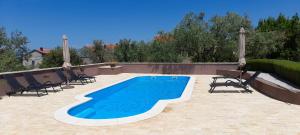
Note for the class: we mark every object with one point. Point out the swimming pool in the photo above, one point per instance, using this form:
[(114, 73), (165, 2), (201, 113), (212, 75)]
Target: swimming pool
[(131, 100)]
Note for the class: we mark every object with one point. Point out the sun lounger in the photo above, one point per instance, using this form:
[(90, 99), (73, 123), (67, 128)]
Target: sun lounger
[(17, 87), (35, 84), (14, 84), (84, 76), (71, 78), (239, 83)]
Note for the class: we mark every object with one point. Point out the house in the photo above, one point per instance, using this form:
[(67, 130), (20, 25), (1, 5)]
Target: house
[(35, 57)]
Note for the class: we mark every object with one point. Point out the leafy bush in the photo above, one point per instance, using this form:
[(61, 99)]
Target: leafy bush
[(288, 70), (9, 62)]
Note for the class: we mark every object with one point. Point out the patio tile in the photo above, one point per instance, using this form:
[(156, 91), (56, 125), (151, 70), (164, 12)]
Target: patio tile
[(205, 113)]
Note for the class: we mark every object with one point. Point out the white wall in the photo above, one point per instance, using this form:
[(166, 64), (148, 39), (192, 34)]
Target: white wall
[(33, 56)]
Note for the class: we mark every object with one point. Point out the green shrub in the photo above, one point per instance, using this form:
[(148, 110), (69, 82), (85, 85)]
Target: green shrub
[(288, 70)]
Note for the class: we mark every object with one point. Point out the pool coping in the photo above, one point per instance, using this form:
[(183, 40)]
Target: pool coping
[(63, 116)]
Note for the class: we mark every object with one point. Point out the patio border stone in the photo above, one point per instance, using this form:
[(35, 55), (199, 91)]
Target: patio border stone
[(268, 88)]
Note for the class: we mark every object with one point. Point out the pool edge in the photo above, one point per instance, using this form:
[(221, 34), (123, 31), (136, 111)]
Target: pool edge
[(63, 116)]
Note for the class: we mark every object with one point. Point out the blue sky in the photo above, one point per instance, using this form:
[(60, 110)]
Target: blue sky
[(45, 21)]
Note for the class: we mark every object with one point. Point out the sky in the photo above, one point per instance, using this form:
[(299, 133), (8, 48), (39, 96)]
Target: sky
[(45, 21)]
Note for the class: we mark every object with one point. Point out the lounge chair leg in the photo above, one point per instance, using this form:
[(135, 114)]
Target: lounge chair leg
[(37, 92), (212, 88), (247, 89), (46, 91), (54, 89), (82, 82), (61, 87)]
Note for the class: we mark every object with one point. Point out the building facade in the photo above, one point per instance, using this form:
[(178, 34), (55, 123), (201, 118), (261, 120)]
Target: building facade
[(35, 57)]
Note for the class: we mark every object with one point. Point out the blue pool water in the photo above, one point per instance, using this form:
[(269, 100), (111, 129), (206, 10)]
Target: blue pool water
[(131, 97)]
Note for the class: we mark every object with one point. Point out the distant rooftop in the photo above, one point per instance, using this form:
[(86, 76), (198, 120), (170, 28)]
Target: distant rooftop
[(43, 50), (107, 46), (110, 46)]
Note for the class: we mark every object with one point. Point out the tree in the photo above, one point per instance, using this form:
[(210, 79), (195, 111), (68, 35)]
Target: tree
[(96, 52), (55, 58), (290, 27), (164, 52), (142, 51), (225, 30), (216, 40), (122, 50), (4, 40), (18, 43), (186, 34), (12, 50), (265, 44), (130, 51), (9, 62), (193, 38)]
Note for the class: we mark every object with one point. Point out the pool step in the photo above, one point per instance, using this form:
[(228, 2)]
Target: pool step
[(86, 113)]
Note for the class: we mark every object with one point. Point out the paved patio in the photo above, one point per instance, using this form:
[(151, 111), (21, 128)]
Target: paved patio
[(226, 112)]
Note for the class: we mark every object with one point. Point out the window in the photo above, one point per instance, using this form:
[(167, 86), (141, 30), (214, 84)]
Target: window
[(33, 63)]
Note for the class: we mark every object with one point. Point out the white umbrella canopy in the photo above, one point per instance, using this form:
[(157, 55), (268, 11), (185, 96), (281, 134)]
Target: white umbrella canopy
[(242, 40), (66, 53)]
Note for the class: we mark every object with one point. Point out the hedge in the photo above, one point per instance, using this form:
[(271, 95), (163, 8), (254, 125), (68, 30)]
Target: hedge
[(285, 69)]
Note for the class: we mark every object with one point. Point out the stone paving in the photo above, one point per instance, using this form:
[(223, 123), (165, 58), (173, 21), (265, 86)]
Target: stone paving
[(228, 111)]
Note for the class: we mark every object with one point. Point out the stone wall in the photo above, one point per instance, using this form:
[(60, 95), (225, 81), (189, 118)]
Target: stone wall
[(168, 68), (49, 74)]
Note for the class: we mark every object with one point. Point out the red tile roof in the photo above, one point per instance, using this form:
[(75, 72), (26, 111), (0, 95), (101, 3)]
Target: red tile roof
[(43, 50), (107, 46)]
